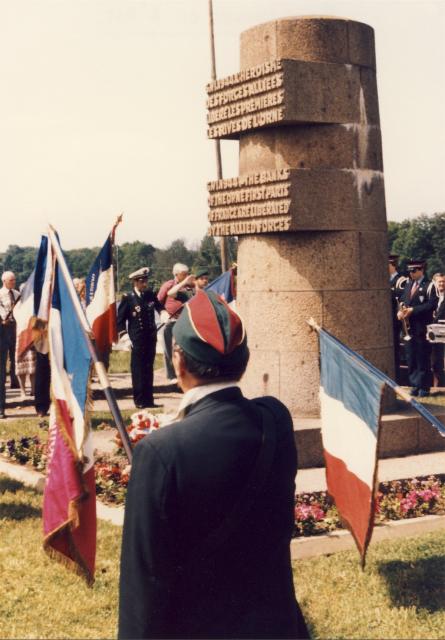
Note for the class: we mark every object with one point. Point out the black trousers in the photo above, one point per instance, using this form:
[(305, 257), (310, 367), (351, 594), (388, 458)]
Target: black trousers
[(168, 349), (42, 398), (437, 361), (4, 349), (418, 351), (142, 361), (11, 333)]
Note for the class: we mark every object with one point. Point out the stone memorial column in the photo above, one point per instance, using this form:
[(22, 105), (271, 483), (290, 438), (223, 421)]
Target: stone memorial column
[(308, 205)]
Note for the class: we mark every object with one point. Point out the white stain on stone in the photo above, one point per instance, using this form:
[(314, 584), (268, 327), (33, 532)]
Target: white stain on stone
[(364, 180)]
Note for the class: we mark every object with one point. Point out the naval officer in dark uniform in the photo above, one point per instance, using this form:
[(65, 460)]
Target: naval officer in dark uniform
[(197, 561), (136, 315), (420, 300)]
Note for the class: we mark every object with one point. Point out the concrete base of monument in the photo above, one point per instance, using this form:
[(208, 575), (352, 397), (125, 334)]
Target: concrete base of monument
[(403, 433)]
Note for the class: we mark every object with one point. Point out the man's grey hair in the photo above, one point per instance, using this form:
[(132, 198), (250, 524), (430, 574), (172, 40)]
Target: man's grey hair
[(7, 274), (179, 268)]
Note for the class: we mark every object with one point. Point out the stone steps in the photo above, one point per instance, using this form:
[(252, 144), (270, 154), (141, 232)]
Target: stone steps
[(403, 433)]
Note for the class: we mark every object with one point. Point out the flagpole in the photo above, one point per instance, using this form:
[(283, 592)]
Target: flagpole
[(417, 406), (219, 172), (99, 366)]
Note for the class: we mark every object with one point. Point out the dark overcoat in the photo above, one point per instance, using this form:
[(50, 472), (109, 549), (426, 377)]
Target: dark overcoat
[(184, 483)]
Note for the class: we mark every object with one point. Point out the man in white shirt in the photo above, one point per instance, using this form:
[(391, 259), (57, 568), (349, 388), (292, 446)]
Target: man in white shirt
[(8, 298), (438, 350)]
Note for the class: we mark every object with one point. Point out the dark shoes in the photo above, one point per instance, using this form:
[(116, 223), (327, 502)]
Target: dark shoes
[(149, 405), (2, 415), (422, 393)]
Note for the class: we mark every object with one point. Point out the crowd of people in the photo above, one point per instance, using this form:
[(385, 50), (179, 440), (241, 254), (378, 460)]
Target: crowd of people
[(27, 366), (136, 317), (417, 302)]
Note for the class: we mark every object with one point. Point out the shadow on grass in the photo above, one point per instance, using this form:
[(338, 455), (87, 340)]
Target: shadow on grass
[(19, 510), (8, 484), (419, 584)]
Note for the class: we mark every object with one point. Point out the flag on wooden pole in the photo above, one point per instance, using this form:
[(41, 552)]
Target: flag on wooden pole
[(69, 505)]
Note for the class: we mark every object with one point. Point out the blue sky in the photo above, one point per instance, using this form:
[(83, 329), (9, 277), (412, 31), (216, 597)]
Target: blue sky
[(103, 110)]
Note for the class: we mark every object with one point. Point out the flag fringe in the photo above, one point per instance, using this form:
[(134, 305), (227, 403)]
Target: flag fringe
[(76, 563)]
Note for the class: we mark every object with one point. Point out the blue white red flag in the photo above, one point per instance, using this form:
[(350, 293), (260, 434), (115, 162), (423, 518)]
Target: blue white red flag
[(350, 397), (33, 306), (69, 506), (224, 285), (101, 298)]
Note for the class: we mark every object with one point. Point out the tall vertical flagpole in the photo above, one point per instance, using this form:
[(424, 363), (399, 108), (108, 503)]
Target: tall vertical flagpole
[(219, 173), (87, 332)]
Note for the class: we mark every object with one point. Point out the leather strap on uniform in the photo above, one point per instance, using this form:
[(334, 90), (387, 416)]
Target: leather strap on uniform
[(252, 488)]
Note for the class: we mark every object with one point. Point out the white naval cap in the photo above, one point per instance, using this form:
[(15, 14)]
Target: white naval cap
[(140, 274)]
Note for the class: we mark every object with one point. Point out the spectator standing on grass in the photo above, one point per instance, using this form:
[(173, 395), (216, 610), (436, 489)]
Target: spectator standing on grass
[(173, 294), (197, 560), (8, 298)]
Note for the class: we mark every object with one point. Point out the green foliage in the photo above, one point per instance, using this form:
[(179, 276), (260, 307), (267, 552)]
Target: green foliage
[(128, 257), (80, 261), (421, 237), (20, 260), (164, 259), (209, 256)]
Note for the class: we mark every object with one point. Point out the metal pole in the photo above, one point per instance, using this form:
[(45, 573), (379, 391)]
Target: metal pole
[(219, 172), (88, 334), (417, 406)]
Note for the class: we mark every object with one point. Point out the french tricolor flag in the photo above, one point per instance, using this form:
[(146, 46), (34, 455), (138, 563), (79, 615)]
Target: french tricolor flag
[(224, 286), (351, 398), (32, 307), (101, 298), (69, 504)]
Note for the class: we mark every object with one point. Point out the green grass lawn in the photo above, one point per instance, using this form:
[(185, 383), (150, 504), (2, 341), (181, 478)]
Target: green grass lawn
[(401, 594), (120, 362)]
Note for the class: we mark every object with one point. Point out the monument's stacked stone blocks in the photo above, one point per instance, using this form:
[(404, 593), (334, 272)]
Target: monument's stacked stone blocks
[(309, 203)]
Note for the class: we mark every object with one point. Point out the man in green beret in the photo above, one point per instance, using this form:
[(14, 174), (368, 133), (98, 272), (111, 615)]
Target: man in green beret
[(210, 506), (201, 278)]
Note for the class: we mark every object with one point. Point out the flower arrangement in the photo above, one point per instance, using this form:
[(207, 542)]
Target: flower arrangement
[(315, 513), (28, 449), (142, 423), (410, 498)]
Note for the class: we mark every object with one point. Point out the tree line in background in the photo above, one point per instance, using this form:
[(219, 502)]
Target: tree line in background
[(421, 237), (128, 257)]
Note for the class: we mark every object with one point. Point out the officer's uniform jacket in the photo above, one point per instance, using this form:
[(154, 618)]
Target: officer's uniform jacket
[(423, 302), (136, 314), (185, 480), (397, 284), (6, 314)]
